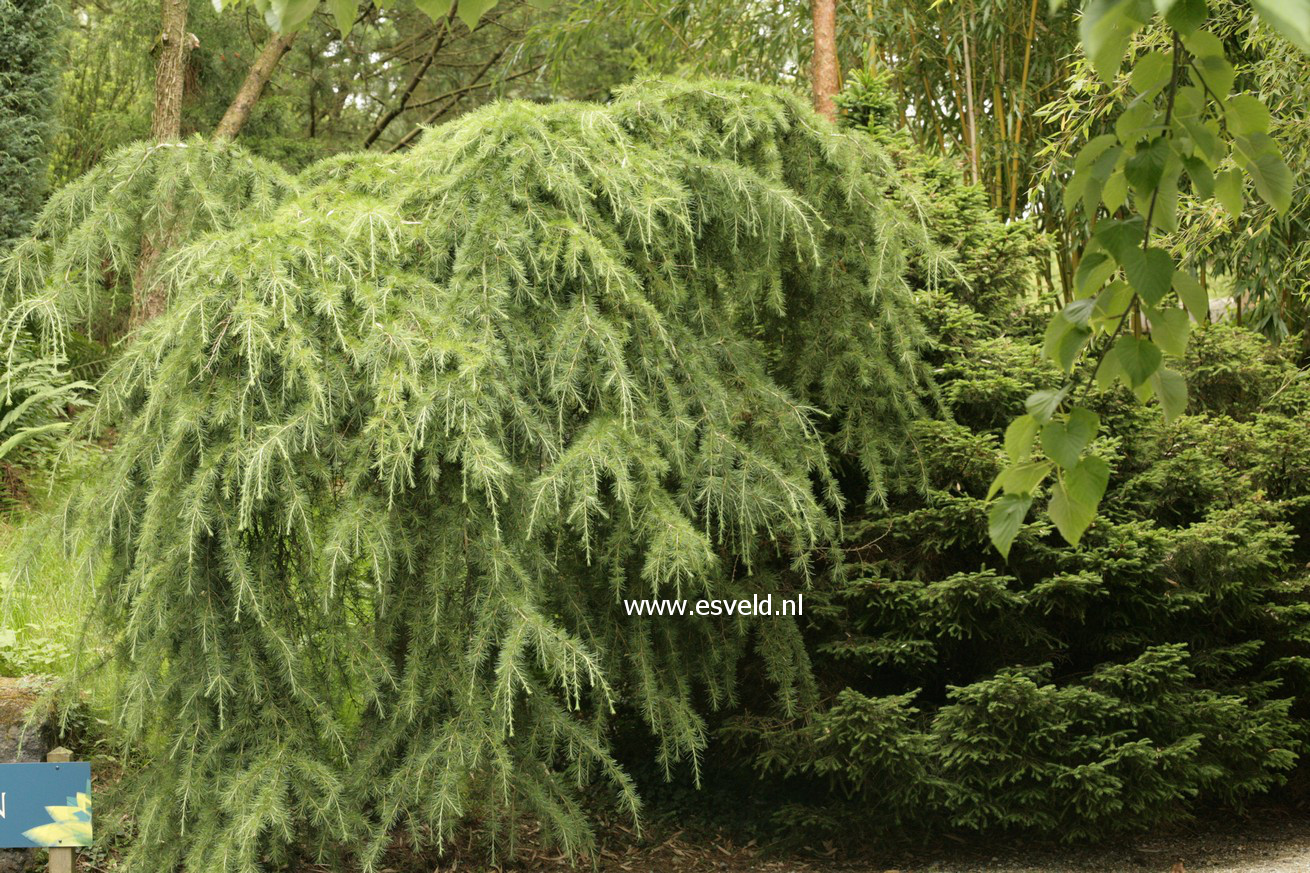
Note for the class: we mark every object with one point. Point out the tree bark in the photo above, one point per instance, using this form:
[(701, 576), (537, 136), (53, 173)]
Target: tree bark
[(167, 123), (238, 111), (149, 297), (825, 74)]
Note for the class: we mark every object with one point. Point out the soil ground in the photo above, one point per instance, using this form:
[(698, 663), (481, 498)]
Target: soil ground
[(1274, 843)]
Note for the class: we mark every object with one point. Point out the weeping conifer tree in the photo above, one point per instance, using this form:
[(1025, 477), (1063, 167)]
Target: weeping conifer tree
[(389, 463), (82, 269)]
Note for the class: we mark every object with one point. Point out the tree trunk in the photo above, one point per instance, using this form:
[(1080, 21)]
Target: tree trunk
[(825, 74), (238, 111), (972, 125), (167, 124), (148, 296)]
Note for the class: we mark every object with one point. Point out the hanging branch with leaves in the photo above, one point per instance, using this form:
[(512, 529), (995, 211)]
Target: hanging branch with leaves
[(1132, 302)]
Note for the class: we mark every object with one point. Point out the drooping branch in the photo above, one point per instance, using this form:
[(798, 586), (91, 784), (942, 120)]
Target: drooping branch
[(450, 98)]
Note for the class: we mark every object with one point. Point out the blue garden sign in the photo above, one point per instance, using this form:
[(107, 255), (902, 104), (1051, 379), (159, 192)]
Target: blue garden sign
[(45, 805)]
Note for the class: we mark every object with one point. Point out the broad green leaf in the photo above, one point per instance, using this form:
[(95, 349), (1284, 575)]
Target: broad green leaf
[(1019, 438), (1228, 191), (1004, 520), (1171, 389), (1272, 178), (1146, 166), (1136, 121), (344, 12), (1108, 371), (1096, 146), (288, 16), (1151, 72), (1201, 175), (1021, 478), (1205, 138), (1184, 16), (1151, 274), (1247, 115), (1165, 216), (1204, 44), (434, 9), (1137, 358), (1114, 193), (1106, 28), (1098, 175), (1085, 484), (1078, 312), (1216, 72), (1064, 340), (1169, 329), (1111, 304), (1193, 296), (1291, 18), (1041, 405), (471, 11), (1074, 500), (1064, 441), (1121, 238), (1093, 270)]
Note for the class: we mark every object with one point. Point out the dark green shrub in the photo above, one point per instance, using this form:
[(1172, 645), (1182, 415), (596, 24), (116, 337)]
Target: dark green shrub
[(29, 32), (1069, 692)]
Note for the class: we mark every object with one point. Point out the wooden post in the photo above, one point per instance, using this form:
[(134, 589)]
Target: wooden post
[(61, 859)]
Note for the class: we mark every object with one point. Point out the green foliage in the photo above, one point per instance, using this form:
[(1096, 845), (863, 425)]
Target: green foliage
[(1180, 126), (1071, 692), (36, 395), (389, 461), (79, 271), (29, 32), (27, 657), (993, 260), (288, 16)]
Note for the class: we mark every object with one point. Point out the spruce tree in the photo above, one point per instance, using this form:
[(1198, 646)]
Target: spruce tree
[(389, 462)]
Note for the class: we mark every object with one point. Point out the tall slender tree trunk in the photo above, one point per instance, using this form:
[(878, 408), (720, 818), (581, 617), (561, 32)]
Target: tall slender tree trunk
[(825, 74), (238, 111), (1019, 108), (971, 129), (169, 72)]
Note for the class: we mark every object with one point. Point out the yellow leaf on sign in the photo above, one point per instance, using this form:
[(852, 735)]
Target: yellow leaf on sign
[(70, 825)]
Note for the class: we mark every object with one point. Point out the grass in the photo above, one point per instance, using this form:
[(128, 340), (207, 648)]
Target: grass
[(45, 603)]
